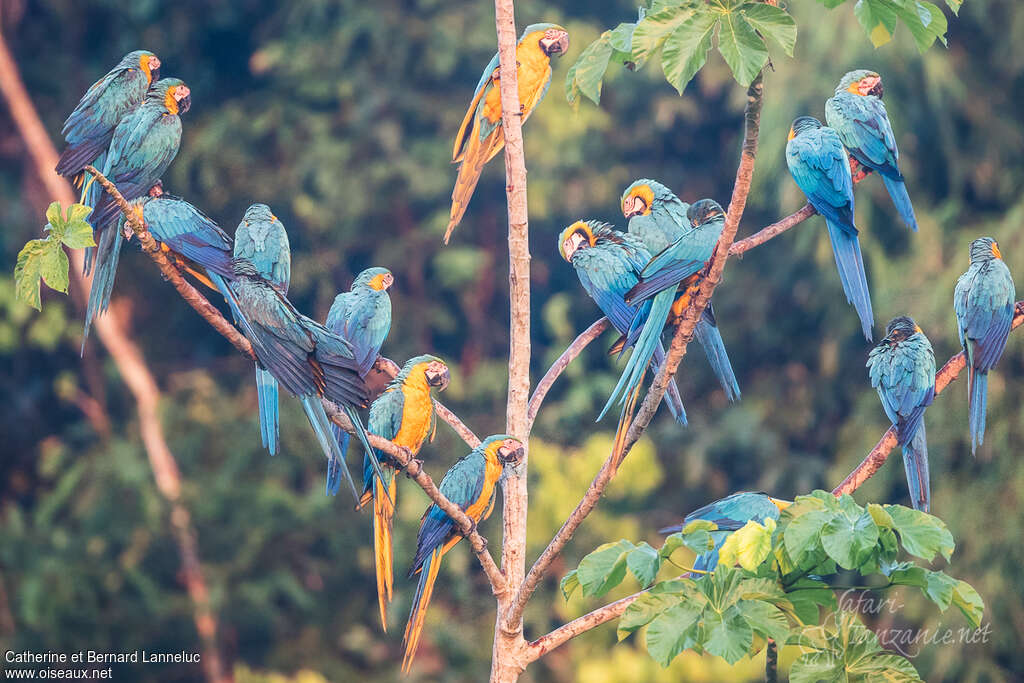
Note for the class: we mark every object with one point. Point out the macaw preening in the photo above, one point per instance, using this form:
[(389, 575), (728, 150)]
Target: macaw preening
[(143, 145), (261, 239), (480, 136), (730, 514), (984, 300), (404, 415), (310, 361), (902, 369), (89, 128), (362, 316), (608, 264), (817, 161), (858, 114), (471, 484), (671, 278)]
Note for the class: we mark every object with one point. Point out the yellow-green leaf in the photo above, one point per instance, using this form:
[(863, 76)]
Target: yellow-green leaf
[(748, 546)]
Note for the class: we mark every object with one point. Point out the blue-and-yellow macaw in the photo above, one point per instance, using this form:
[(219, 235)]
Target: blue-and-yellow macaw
[(608, 264), (471, 484), (306, 358), (858, 114), (480, 136), (818, 163), (984, 299), (404, 415), (362, 316), (142, 147), (261, 239), (902, 369), (654, 216), (730, 514), (89, 128)]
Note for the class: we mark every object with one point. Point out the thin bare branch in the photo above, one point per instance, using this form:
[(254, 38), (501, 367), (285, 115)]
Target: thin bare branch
[(880, 453), (773, 230), (596, 329)]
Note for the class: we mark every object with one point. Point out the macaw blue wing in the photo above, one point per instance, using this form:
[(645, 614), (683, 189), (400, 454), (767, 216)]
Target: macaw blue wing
[(189, 232), (818, 164), (385, 421), (463, 484)]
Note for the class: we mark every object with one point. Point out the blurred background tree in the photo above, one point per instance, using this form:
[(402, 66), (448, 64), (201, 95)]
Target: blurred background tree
[(340, 115)]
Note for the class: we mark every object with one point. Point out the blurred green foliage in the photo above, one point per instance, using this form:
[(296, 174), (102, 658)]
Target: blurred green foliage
[(340, 115)]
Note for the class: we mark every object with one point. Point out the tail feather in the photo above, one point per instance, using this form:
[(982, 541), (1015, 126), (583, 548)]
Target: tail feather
[(476, 155), (625, 419), (420, 602), (898, 191), (364, 439), (850, 262), (915, 462), (322, 428), (977, 400), (383, 521), (714, 348), (107, 254), (267, 396)]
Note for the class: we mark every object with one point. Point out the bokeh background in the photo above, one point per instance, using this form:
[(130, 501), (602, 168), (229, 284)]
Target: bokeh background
[(340, 115)]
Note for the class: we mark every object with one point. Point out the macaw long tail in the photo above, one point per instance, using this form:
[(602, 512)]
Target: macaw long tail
[(342, 437), (898, 191), (420, 602), (364, 439), (266, 395), (977, 400), (649, 339), (90, 195), (477, 154), (714, 348), (846, 249), (108, 252), (625, 419), (672, 397), (322, 428), (383, 521), (915, 462)]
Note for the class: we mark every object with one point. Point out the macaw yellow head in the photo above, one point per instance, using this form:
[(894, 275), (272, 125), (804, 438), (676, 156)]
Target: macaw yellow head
[(379, 279), (551, 38), (508, 449), (637, 199), (572, 238), (176, 96), (150, 65), (781, 504), (861, 82)]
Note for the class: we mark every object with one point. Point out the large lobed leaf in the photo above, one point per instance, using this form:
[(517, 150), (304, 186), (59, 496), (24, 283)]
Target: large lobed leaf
[(44, 260)]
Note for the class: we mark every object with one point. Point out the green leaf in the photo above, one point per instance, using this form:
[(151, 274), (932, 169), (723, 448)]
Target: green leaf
[(765, 618), (807, 597), (883, 520), (54, 267), (969, 602), (27, 272), (644, 563), (925, 21), (643, 610), (748, 546), (686, 50), (849, 540), (652, 31), (803, 533), (812, 667), (726, 634), (672, 632), (955, 5), (603, 569), (569, 583), (586, 74), (921, 534), (831, 4), (621, 37), (77, 233), (772, 22), (744, 51), (877, 19), (54, 219)]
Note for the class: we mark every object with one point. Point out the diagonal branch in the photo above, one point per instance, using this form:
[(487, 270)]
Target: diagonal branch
[(773, 230), (682, 337), (878, 455), (596, 329)]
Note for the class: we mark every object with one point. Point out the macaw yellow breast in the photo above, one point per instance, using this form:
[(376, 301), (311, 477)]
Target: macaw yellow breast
[(416, 411), (533, 74), (482, 505)]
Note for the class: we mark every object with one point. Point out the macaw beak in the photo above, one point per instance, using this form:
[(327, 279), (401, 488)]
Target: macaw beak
[(511, 455), (872, 85), (154, 69), (439, 379), (185, 104), (633, 206), (557, 45), (388, 281)]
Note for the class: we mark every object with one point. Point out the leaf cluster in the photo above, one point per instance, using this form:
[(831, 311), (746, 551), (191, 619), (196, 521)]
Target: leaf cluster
[(44, 258)]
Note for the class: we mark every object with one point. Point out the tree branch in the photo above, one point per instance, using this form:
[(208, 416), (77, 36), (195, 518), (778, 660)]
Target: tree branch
[(773, 230), (878, 455), (596, 329)]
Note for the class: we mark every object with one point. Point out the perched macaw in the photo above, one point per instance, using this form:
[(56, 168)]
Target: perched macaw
[(730, 514), (608, 264), (902, 369), (362, 315), (470, 483), (261, 239), (403, 414), (480, 136), (818, 163), (143, 145), (693, 237), (309, 360), (858, 114), (89, 128), (984, 300)]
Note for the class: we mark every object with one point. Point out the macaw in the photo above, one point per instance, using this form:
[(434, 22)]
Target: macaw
[(261, 239), (730, 514), (655, 217), (984, 300), (309, 360), (89, 128), (143, 145), (902, 369), (471, 484), (608, 264), (858, 115), (362, 316), (480, 136), (404, 415), (817, 161)]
